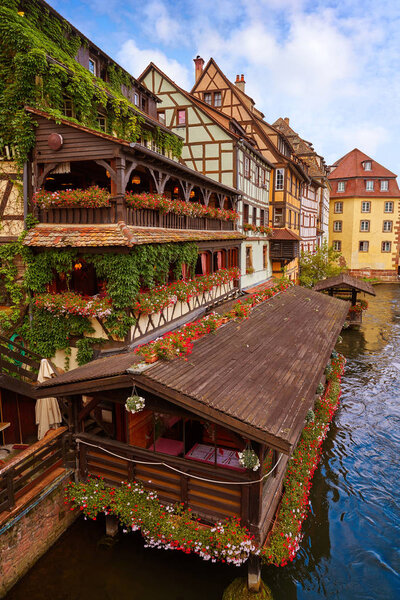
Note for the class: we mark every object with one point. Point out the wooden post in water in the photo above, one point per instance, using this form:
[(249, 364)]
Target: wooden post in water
[(254, 573)]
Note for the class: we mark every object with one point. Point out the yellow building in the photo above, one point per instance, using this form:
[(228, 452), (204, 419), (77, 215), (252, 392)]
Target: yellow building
[(364, 216)]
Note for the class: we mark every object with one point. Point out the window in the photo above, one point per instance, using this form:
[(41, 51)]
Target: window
[(249, 259), (386, 246), (278, 217), (369, 185), (265, 256), (207, 97), (246, 166), (338, 207), (365, 207), (245, 213), (364, 225), (136, 99), (262, 217), (68, 107), (258, 175), (387, 226), (337, 225), (254, 215), (143, 103), (92, 65), (384, 185), (388, 207), (279, 179), (101, 121), (341, 186), (217, 98), (181, 116), (367, 165), (161, 116), (363, 246), (337, 245)]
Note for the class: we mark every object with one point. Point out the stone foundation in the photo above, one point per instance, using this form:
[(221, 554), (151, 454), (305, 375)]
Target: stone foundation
[(386, 276), (27, 536)]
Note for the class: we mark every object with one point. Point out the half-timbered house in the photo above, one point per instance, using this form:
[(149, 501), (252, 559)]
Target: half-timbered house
[(290, 172), (217, 145)]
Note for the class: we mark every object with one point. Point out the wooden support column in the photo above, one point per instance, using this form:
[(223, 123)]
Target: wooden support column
[(120, 167), (186, 188), (160, 179), (254, 573), (111, 525), (353, 297)]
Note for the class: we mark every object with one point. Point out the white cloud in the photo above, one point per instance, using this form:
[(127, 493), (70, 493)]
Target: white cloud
[(135, 60)]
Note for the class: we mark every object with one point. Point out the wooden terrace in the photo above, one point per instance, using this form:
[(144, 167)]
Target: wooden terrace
[(347, 288), (251, 384)]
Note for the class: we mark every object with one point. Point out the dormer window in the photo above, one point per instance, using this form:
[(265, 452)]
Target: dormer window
[(367, 165), (341, 186), (384, 185), (369, 185), (92, 65)]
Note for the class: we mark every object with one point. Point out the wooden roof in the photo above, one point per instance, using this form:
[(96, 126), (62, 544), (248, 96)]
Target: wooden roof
[(257, 377), (347, 281)]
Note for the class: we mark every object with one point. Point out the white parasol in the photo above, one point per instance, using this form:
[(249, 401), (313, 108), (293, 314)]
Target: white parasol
[(47, 411)]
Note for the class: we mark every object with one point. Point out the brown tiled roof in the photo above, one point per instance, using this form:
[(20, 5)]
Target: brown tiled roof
[(120, 234), (345, 280), (234, 377), (283, 233), (260, 287)]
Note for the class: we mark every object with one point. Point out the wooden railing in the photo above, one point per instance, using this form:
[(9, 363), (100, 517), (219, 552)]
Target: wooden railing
[(211, 501), (32, 466), (143, 217), (18, 361)]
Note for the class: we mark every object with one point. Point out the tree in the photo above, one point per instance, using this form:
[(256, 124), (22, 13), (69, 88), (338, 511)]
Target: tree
[(325, 262)]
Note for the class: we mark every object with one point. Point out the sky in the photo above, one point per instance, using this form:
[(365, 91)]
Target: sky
[(332, 67)]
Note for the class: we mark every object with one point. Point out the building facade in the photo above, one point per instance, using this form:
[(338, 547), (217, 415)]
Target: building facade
[(364, 216), (290, 172), (216, 145)]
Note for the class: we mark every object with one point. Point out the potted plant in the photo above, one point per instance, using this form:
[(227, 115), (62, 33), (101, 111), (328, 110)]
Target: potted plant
[(134, 404), (249, 459)]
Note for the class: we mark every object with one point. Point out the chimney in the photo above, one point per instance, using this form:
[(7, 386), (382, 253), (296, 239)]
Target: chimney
[(240, 82), (286, 119), (198, 67)]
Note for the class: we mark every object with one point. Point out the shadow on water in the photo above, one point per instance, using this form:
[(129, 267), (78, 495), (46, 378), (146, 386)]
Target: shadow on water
[(350, 549)]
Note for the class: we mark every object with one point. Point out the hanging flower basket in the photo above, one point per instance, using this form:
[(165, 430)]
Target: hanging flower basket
[(249, 459), (134, 404)]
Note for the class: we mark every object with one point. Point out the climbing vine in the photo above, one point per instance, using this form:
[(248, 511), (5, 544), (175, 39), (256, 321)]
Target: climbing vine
[(38, 68), (124, 274)]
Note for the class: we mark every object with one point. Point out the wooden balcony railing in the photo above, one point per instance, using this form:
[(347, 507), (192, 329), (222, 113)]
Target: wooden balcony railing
[(23, 473), (75, 215), (18, 361), (210, 501)]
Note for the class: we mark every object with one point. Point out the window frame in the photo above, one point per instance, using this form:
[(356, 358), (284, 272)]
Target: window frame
[(92, 60), (339, 245), (338, 229), (383, 246), (336, 210), (369, 185), (386, 187), (387, 203), (246, 166), (361, 249), (367, 225), (341, 186), (161, 112), (219, 94), (366, 202), (178, 111), (280, 179), (278, 219), (384, 230), (71, 109), (369, 163), (204, 98), (101, 116)]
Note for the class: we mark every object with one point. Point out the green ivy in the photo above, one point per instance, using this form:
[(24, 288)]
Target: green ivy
[(85, 349), (29, 45)]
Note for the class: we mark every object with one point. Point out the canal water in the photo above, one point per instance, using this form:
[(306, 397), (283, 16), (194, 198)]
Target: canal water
[(350, 549)]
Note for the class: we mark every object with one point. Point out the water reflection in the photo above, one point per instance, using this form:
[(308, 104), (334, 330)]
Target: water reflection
[(350, 549)]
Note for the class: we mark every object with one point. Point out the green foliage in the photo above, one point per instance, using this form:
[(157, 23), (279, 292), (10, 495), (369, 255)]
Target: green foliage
[(324, 263), (29, 45), (11, 292), (41, 268), (46, 333), (85, 349)]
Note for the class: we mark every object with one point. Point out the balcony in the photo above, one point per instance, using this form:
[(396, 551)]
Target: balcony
[(284, 249), (115, 209)]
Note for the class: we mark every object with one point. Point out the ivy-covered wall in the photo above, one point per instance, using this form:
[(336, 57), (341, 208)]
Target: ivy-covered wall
[(30, 43), (124, 274)]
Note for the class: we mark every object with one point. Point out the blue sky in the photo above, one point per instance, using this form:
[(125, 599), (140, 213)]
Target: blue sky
[(331, 67)]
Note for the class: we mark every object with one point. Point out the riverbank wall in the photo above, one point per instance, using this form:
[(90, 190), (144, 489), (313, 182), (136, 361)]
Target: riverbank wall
[(26, 536)]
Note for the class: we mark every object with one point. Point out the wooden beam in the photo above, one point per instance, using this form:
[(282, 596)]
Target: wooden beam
[(88, 408)]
